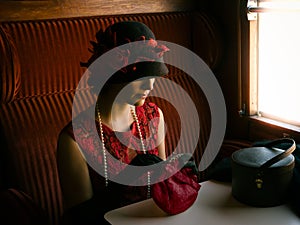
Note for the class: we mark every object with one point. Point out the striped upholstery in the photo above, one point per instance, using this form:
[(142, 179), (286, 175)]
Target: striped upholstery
[(39, 74), (10, 72)]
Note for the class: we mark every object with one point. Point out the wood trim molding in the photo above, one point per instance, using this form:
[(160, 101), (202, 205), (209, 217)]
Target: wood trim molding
[(266, 129), (11, 10)]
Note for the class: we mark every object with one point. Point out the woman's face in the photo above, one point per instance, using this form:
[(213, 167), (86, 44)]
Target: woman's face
[(136, 92)]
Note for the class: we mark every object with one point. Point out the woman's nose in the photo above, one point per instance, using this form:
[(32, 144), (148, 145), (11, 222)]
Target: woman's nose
[(148, 84)]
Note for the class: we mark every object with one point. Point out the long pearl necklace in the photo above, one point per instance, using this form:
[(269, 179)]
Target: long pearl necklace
[(135, 118)]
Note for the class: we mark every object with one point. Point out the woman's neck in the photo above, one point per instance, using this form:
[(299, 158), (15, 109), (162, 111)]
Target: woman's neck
[(117, 116)]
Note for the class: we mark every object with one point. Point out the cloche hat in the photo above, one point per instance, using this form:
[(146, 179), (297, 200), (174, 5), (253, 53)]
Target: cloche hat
[(147, 53)]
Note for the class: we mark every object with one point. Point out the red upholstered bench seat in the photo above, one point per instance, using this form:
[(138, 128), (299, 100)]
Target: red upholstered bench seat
[(39, 73)]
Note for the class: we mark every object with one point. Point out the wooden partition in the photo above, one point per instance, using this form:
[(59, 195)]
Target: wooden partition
[(45, 9)]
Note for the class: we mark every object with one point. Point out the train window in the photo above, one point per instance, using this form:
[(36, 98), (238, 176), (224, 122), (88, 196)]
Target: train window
[(275, 60)]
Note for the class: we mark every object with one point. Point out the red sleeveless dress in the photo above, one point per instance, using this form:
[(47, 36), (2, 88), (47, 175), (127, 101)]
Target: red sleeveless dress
[(116, 144)]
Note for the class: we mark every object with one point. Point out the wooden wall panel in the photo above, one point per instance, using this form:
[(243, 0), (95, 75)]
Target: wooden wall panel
[(43, 9)]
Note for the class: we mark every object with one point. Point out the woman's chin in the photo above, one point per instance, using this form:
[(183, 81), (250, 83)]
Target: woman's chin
[(140, 102)]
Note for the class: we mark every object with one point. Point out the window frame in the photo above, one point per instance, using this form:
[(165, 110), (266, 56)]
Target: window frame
[(258, 127)]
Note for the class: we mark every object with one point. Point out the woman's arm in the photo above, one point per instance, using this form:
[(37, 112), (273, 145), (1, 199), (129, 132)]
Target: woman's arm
[(161, 136), (73, 172), (81, 206)]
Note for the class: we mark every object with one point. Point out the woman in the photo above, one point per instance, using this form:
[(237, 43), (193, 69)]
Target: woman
[(126, 125)]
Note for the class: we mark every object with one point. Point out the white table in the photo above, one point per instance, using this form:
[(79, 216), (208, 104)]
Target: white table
[(214, 206)]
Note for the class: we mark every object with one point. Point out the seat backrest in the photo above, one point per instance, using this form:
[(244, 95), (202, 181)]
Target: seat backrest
[(39, 73)]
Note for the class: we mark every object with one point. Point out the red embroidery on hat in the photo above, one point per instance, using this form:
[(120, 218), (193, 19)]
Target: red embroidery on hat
[(147, 50)]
